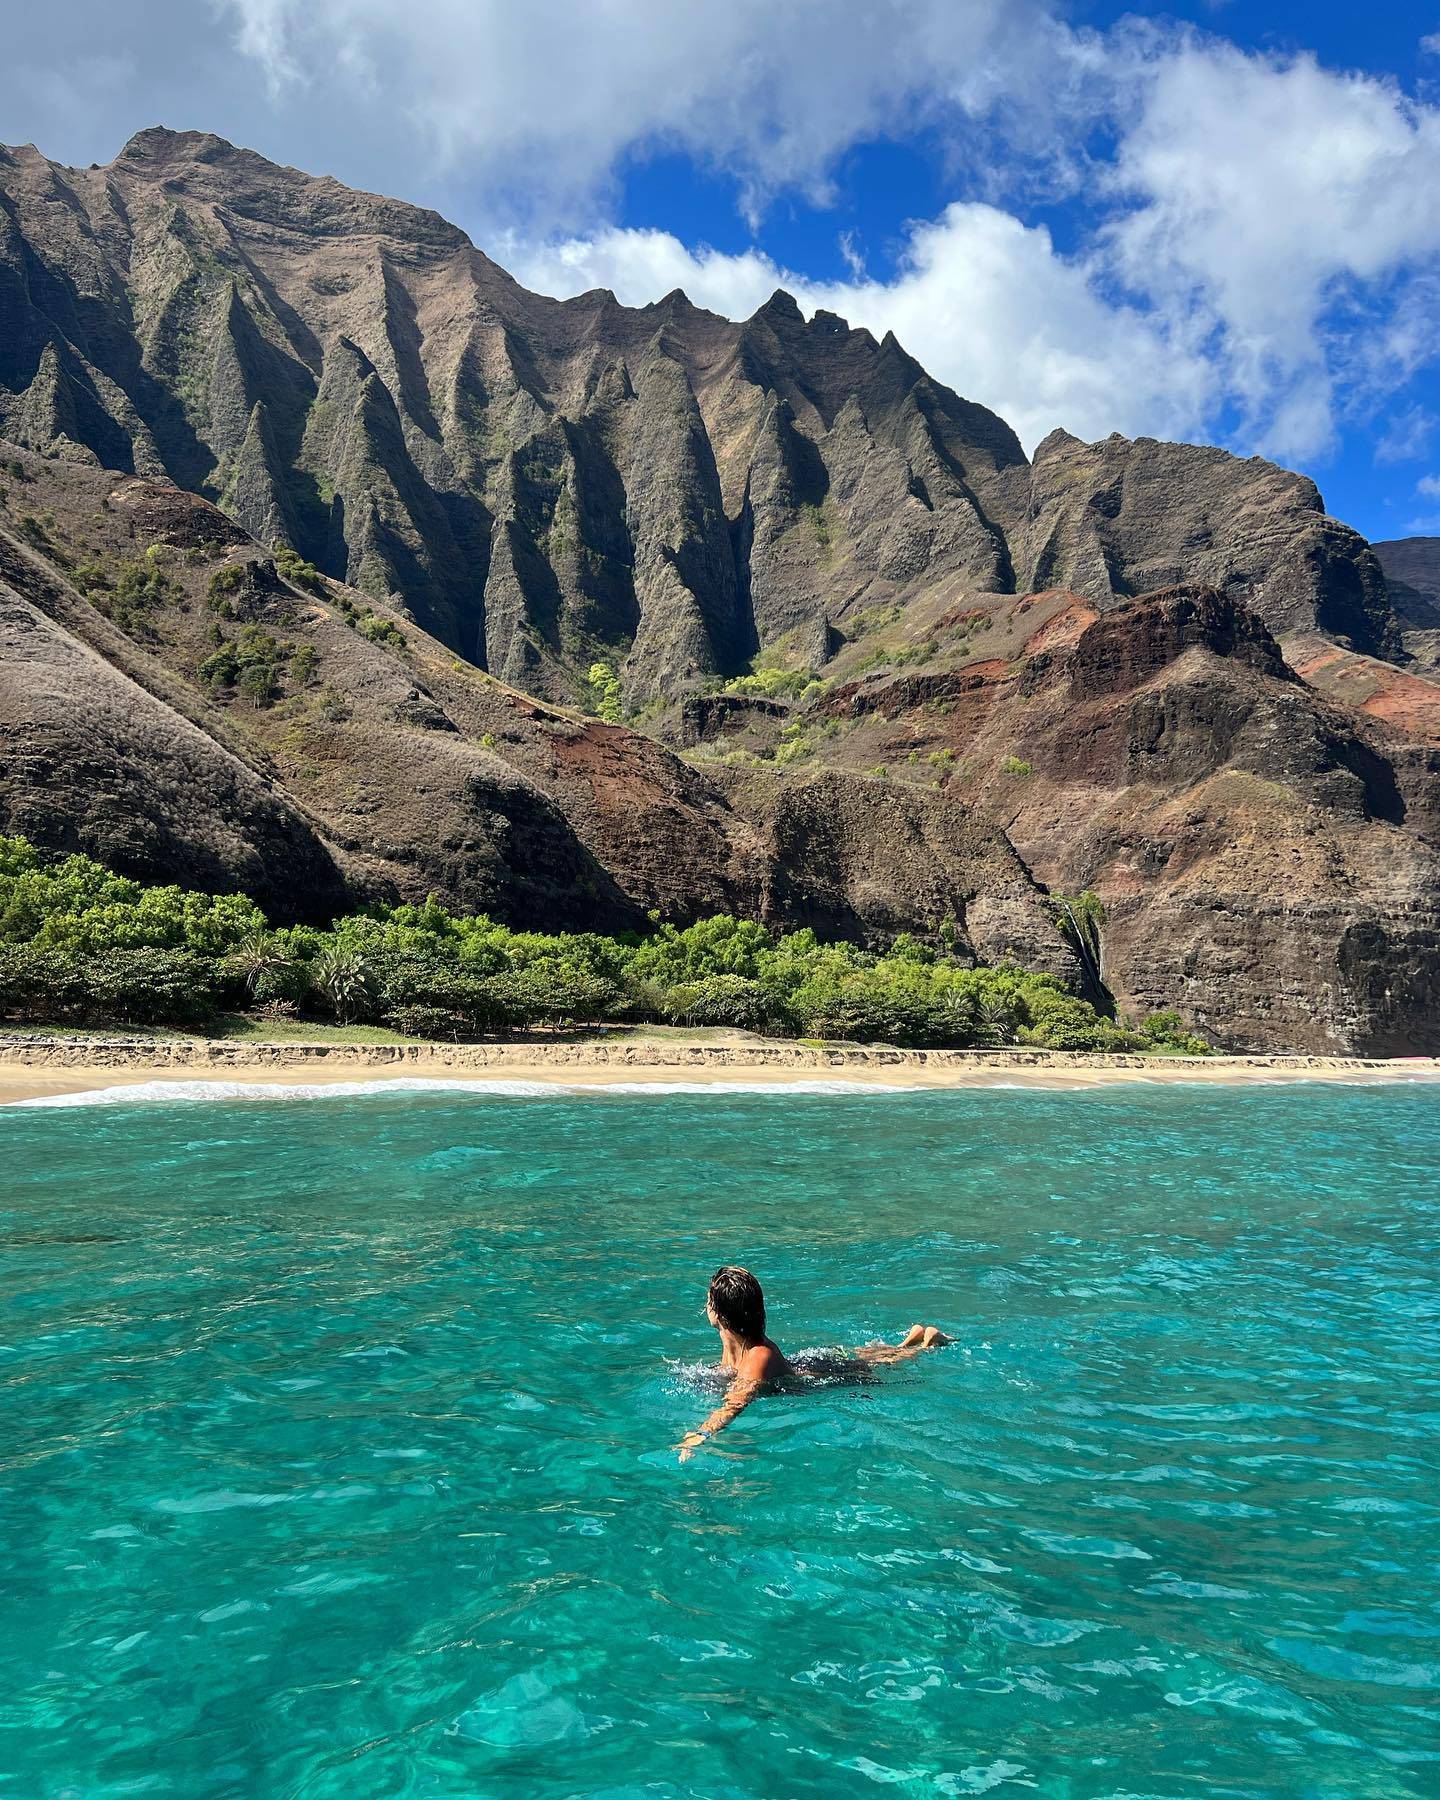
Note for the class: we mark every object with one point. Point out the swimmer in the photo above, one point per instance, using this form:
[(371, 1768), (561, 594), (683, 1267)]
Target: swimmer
[(736, 1308)]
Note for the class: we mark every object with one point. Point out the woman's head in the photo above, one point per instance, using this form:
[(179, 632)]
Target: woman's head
[(737, 1304)]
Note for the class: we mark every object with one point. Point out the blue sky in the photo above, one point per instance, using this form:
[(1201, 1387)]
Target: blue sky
[(1218, 221)]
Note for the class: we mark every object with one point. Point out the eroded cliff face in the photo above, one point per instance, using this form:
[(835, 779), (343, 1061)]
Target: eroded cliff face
[(371, 761), (1128, 516), (1266, 845), (1412, 579), (542, 485)]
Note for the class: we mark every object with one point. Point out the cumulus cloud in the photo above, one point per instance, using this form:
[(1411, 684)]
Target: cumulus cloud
[(1429, 486), (540, 103), (1278, 202), (986, 303)]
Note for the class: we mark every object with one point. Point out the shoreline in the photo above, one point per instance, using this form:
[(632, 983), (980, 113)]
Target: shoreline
[(49, 1068)]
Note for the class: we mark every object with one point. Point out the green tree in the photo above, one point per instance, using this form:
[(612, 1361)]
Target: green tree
[(554, 992), (295, 569), (724, 1000), (258, 685), (605, 692)]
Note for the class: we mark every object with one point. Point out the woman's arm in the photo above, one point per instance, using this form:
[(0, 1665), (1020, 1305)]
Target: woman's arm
[(750, 1378), (741, 1391)]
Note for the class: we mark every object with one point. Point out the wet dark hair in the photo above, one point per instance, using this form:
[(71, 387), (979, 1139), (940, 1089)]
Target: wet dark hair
[(737, 1302)]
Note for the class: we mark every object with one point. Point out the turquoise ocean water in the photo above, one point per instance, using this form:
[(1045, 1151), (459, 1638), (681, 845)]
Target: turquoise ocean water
[(335, 1447)]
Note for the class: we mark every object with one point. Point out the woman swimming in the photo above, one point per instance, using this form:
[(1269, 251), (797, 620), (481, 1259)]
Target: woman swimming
[(736, 1308)]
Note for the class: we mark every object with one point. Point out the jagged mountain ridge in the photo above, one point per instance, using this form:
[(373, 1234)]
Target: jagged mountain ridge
[(377, 765), (543, 484)]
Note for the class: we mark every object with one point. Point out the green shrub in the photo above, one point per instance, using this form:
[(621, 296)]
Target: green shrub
[(717, 946), (221, 667), (411, 981), (257, 683), (427, 1022), (1167, 1031), (141, 587), (42, 986), (222, 585), (78, 906), (555, 992), (80, 941), (795, 743), (250, 663), (340, 979), (772, 684), (154, 987), (90, 578), (381, 631), (295, 569), (1015, 765), (1060, 1021), (262, 965)]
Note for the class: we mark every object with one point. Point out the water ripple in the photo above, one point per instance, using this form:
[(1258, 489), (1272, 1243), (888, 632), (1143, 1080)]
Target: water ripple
[(335, 1448)]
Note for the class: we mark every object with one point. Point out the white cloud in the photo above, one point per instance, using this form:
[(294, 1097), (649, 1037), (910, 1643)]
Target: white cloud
[(1431, 44), (1279, 202), (1269, 248), (1407, 437), (1263, 223), (1429, 486), (640, 266), (541, 102)]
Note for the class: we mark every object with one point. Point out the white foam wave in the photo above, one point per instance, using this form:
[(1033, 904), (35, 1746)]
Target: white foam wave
[(779, 1086), (495, 1086), (282, 1090)]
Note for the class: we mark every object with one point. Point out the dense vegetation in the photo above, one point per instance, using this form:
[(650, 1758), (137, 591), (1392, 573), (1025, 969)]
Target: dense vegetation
[(83, 945)]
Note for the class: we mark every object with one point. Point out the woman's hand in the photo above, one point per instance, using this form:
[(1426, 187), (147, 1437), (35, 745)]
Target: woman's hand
[(690, 1443)]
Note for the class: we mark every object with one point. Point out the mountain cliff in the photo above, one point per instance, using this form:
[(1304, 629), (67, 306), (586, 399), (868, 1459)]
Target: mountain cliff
[(545, 486), (1412, 577), (183, 705)]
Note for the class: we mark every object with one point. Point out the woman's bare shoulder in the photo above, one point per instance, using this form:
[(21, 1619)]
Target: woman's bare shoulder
[(762, 1362)]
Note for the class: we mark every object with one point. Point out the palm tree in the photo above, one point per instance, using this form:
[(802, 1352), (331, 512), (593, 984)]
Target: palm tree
[(257, 958), (341, 976), (997, 1015)]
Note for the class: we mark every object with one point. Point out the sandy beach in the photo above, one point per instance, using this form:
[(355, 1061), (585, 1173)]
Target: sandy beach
[(43, 1068)]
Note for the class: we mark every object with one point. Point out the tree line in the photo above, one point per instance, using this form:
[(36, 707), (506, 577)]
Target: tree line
[(80, 944)]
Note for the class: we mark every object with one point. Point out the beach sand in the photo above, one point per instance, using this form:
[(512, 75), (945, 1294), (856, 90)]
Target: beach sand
[(43, 1068)]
